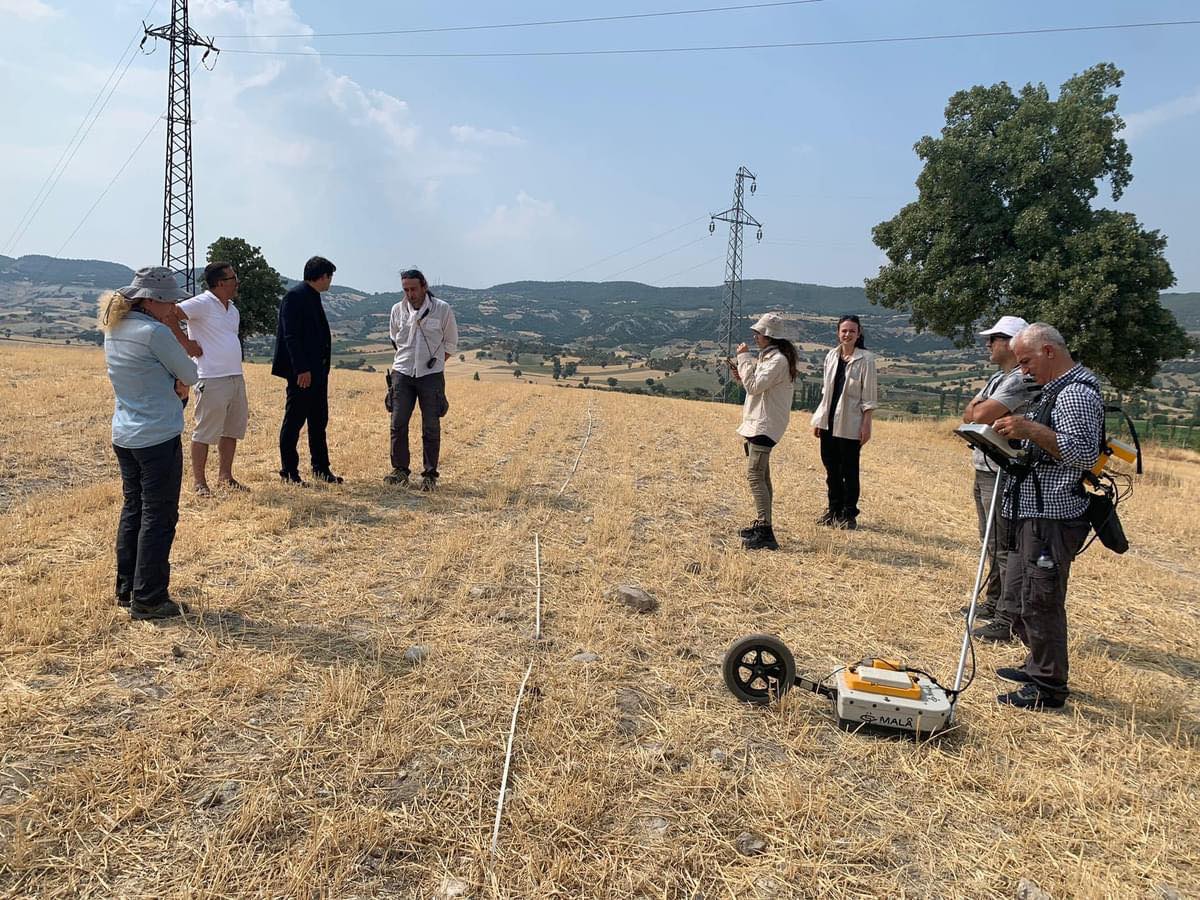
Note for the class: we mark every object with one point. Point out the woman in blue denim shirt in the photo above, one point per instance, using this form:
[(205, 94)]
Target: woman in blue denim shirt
[(150, 373)]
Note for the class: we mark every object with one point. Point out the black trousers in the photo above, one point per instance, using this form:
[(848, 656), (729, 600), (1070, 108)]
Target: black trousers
[(150, 481), (1042, 622), (407, 393), (305, 406), (840, 457)]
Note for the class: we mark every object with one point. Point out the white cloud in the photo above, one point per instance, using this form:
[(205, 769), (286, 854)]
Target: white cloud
[(517, 223), (1139, 123), (30, 10), (374, 107), (486, 137)]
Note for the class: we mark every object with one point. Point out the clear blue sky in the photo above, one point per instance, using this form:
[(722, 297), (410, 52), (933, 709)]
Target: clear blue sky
[(484, 170)]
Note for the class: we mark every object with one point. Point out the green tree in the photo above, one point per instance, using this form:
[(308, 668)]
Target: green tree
[(1004, 223), (516, 373), (612, 382), (260, 288), (475, 377)]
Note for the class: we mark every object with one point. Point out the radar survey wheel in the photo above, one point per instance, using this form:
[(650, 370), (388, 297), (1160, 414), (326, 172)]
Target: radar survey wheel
[(759, 668)]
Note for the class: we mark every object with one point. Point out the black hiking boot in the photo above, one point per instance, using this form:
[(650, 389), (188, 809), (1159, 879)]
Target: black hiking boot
[(398, 476), (327, 476), (1030, 696), (168, 609), (828, 518), (290, 476), (763, 538), (984, 610), (997, 632), (1015, 674)]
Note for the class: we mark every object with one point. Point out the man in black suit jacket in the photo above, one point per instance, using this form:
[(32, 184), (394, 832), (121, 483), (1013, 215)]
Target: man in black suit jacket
[(302, 351)]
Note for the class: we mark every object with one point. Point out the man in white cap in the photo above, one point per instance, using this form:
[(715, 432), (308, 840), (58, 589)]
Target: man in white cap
[(1006, 393)]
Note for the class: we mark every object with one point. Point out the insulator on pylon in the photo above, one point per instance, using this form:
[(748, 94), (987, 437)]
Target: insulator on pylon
[(753, 186), (759, 235), (712, 226)]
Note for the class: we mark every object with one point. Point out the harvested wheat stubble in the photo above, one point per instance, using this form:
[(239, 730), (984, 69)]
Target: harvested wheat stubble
[(279, 743)]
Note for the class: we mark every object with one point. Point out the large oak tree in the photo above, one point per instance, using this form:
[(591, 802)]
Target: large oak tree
[(1004, 223)]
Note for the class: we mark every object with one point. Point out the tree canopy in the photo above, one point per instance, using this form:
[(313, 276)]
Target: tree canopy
[(260, 288), (1004, 224)]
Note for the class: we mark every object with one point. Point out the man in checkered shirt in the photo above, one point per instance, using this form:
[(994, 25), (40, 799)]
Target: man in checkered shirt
[(1048, 507)]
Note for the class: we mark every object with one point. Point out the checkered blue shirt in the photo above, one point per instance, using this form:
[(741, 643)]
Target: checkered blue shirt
[(1078, 421)]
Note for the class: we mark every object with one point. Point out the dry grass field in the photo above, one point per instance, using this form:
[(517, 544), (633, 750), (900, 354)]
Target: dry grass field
[(283, 742)]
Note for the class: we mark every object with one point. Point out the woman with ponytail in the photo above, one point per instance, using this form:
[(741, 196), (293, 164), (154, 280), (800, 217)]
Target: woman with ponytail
[(768, 377), (150, 373)]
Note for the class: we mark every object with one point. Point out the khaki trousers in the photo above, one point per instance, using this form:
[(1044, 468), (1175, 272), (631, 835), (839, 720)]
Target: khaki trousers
[(758, 473)]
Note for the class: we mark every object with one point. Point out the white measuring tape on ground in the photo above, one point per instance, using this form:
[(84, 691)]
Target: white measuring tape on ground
[(586, 437), (537, 636), (512, 733), (537, 607)]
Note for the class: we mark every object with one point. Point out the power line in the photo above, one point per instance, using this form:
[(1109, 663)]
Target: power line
[(849, 42), (22, 225), (634, 247), (690, 268), (108, 187), (647, 262), (579, 21), (69, 151)]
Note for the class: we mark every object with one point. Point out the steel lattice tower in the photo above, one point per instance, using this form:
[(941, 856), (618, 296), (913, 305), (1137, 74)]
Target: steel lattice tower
[(731, 313), (179, 227)]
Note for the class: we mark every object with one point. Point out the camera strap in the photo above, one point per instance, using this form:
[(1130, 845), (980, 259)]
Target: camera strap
[(434, 352)]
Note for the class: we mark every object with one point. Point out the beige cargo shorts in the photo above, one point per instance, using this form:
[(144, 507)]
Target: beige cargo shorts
[(221, 409)]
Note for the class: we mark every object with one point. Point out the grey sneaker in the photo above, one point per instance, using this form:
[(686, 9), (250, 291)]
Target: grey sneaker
[(398, 477), (428, 483)]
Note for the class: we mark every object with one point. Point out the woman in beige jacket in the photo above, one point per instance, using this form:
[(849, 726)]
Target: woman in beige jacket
[(843, 420), (768, 378)]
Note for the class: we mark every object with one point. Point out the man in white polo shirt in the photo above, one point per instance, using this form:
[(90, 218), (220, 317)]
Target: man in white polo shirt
[(221, 409)]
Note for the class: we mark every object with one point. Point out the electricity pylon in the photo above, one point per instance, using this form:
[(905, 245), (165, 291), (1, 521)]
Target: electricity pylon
[(730, 324), (179, 227)]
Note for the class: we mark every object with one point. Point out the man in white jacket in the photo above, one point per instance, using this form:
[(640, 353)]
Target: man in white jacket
[(425, 335)]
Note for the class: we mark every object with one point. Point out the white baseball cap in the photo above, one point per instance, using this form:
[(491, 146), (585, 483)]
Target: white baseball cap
[(1009, 326)]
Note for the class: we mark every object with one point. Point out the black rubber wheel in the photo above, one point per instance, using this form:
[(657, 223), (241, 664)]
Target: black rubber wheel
[(759, 668)]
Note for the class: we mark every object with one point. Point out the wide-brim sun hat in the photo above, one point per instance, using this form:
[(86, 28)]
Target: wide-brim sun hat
[(774, 325), (154, 283), (1009, 326)]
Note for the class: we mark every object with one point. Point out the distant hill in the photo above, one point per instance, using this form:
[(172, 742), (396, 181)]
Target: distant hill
[(1186, 308), (629, 313), (47, 294), (51, 270)]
